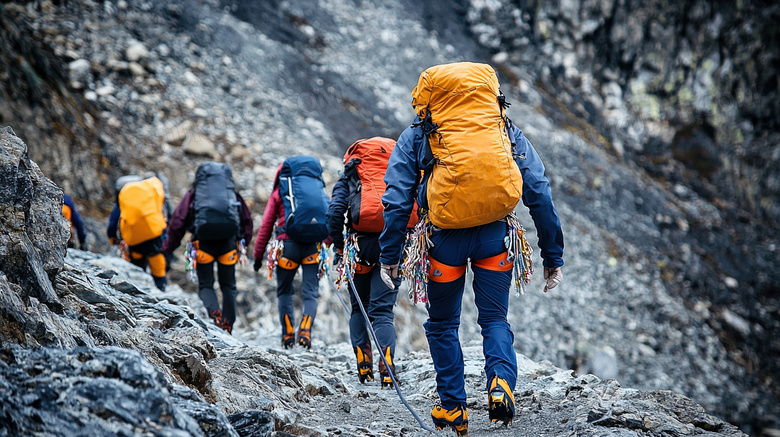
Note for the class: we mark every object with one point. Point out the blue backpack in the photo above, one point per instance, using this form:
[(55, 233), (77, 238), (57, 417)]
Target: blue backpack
[(305, 201)]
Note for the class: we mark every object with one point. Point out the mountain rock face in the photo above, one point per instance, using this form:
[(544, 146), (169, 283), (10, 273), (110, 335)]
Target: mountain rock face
[(637, 109), (109, 354)]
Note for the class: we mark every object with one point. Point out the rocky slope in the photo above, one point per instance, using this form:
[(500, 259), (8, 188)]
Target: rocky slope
[(106, 353), (667, 285)]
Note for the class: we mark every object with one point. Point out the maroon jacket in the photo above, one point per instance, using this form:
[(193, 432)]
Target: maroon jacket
[(273, 210), (183, 219)]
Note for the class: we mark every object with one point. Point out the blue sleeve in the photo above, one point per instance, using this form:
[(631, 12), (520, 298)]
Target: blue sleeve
[(401, 178), (336, 211), (75, 218), (537, 197), (113, 222)]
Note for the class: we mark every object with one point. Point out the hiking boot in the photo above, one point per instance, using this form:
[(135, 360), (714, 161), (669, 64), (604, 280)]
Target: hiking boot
[(304, 332), (456, 418), (227, 326), (216, 316), (221, 321), (501, 401), (288, 334), (364, 363), (384, 375)]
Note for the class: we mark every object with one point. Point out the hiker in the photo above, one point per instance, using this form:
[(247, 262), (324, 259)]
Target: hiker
[(298, 205), (76, 225), (139, 217), (358, 196), (476, 167), (219, 221)]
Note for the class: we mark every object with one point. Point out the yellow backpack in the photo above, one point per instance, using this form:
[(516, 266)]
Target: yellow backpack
[(474, 180), (140, 207)]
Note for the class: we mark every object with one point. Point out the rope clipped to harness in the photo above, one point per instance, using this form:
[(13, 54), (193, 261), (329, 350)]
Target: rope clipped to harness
[(191, 261), (274, 255), (242, 252), (346, 267), (416, 265), (519, 254), (324, 266)]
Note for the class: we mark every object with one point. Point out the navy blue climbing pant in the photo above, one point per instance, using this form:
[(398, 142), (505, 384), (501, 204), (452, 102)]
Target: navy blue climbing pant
[(451, 251), (377, 298), (294, 255)]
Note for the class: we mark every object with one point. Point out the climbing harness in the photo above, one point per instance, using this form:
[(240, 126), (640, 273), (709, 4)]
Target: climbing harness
[(324, 266), (122, 251), (348, 277), (346, 267), (242, 252), (416, 264), (274, 255), (519, 254), (191, 261)]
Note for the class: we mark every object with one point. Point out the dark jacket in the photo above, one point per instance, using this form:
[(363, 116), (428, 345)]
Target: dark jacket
[(408, 160), (339, 203), (183, 220), (75, 220)]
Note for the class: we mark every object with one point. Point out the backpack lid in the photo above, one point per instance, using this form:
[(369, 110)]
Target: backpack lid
[(124, 180), (438, 84), (212, 167)]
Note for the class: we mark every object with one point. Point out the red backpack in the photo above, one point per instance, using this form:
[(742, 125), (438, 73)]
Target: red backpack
[(365, 166)]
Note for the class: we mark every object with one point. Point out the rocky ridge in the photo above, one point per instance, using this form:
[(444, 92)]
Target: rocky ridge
[(109, 354), (250, 84)]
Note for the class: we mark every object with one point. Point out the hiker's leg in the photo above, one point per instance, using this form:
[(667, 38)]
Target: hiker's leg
[(445, 292), (310, 286), (358, 332), (492, 278), (226, 274), (285, 273), (380, 310), (157, 268)]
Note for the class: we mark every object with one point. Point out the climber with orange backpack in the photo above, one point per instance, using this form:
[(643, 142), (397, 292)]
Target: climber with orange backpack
[(476, 167), (139, 218), (76, 224), (296, 213), (356, 205), (221, 224)]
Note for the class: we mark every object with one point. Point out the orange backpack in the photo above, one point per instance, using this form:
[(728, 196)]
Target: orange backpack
[(367, 185), (474, 179), (140, 211)]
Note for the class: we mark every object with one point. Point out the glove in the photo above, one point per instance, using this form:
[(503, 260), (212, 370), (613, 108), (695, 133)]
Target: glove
[(553, 276), (258, 263), (113, 241), (336, 258), (388, 273)]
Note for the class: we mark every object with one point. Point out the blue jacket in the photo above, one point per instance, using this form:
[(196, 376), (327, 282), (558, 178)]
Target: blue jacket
[(404, 182)]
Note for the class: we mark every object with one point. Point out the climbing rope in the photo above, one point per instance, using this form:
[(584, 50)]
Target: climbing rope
[(416, 265), (191, 261), (519, 254), (274, 255)]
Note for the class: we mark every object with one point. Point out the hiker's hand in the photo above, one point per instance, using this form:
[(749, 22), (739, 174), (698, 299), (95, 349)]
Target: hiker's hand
[(258, 263), (553, 276), (113, 241), (389, 273)]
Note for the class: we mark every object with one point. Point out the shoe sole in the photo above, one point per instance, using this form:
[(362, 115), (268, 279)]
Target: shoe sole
[(387, 381), (499, 409), (462, 432)]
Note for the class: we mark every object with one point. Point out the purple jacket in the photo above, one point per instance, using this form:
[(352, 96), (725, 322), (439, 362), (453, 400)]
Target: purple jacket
[(183, 219)]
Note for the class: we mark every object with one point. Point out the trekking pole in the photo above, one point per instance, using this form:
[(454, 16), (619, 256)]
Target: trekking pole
[(381, 355)]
